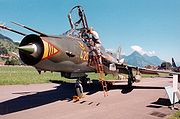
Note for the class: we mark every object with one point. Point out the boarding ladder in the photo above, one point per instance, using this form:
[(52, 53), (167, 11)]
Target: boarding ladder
[(100, 70)]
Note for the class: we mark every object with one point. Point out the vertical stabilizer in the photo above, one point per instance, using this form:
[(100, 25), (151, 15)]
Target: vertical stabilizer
[(173, 63)]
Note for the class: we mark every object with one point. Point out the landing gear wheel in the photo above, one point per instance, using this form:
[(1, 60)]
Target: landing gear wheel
[(78, 89)]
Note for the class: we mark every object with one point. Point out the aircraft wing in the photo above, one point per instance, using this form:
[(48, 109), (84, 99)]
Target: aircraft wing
[(123, 68), (151, 71), (160, 71)]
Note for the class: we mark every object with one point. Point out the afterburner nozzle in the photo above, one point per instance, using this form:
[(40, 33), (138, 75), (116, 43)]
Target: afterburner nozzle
[(30, 49)]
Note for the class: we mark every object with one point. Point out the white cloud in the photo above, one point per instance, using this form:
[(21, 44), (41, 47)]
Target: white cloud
[(138, 49), (142, 51)]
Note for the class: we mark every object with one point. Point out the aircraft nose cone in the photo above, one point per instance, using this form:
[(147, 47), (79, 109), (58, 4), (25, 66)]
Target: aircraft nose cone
[(30, 49)]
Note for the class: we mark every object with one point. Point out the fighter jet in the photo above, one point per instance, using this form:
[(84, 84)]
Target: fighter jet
[(69, 53)]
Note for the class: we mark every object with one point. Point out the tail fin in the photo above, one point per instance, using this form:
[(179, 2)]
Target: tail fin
[(119, 55), (173, 63)]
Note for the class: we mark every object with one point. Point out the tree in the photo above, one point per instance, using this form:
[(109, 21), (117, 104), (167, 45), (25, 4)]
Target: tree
[(12, 61), (166, 65), (3, 50)]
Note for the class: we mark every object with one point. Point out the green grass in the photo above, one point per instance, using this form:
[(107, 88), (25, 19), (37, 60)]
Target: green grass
[(154, 75), (149, 75), (11, 75), (93, 76), (176, 115)]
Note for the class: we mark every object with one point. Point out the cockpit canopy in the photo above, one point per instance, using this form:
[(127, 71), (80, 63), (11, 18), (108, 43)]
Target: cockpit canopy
[(78, 22), (77, 18)]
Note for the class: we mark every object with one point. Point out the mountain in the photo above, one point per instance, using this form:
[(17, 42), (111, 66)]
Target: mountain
[(7, 46), (178, 64), (136, 59), (154, 60), (7, 43), (5, 37)]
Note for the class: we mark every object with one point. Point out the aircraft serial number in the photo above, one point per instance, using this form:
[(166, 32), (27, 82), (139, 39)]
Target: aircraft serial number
[(84, 55)]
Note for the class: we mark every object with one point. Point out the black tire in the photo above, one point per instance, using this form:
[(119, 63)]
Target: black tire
[(79, 90)]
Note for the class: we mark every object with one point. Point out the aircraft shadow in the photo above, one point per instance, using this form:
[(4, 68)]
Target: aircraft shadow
[(126, 89), (161, 102), (34, 100), (89, 88), (65, 91)]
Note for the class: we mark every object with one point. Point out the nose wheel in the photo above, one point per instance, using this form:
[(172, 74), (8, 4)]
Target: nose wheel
[(78, 88)]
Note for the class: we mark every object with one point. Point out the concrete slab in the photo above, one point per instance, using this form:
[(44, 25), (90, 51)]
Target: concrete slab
[(145, 100)]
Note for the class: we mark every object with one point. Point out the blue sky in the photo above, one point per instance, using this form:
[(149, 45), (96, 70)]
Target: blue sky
[(149, 26)]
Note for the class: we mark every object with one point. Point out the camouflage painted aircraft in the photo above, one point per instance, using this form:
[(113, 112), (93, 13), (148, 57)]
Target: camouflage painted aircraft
[(68, 53)]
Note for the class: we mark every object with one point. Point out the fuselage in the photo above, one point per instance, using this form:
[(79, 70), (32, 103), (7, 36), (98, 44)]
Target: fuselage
[(64, 53), (72, 55)]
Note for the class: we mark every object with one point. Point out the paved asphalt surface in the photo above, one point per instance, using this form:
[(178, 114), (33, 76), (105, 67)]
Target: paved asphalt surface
[(146, 100)]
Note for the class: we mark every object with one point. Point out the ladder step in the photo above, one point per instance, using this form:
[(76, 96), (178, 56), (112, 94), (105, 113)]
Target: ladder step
[(100, 70)]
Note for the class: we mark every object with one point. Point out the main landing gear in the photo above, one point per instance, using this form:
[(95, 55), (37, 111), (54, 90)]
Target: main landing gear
[(131, 79), (78, 89), (80, 82)]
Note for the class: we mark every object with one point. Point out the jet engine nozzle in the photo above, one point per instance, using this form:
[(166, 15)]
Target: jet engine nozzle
[(31, 49)]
